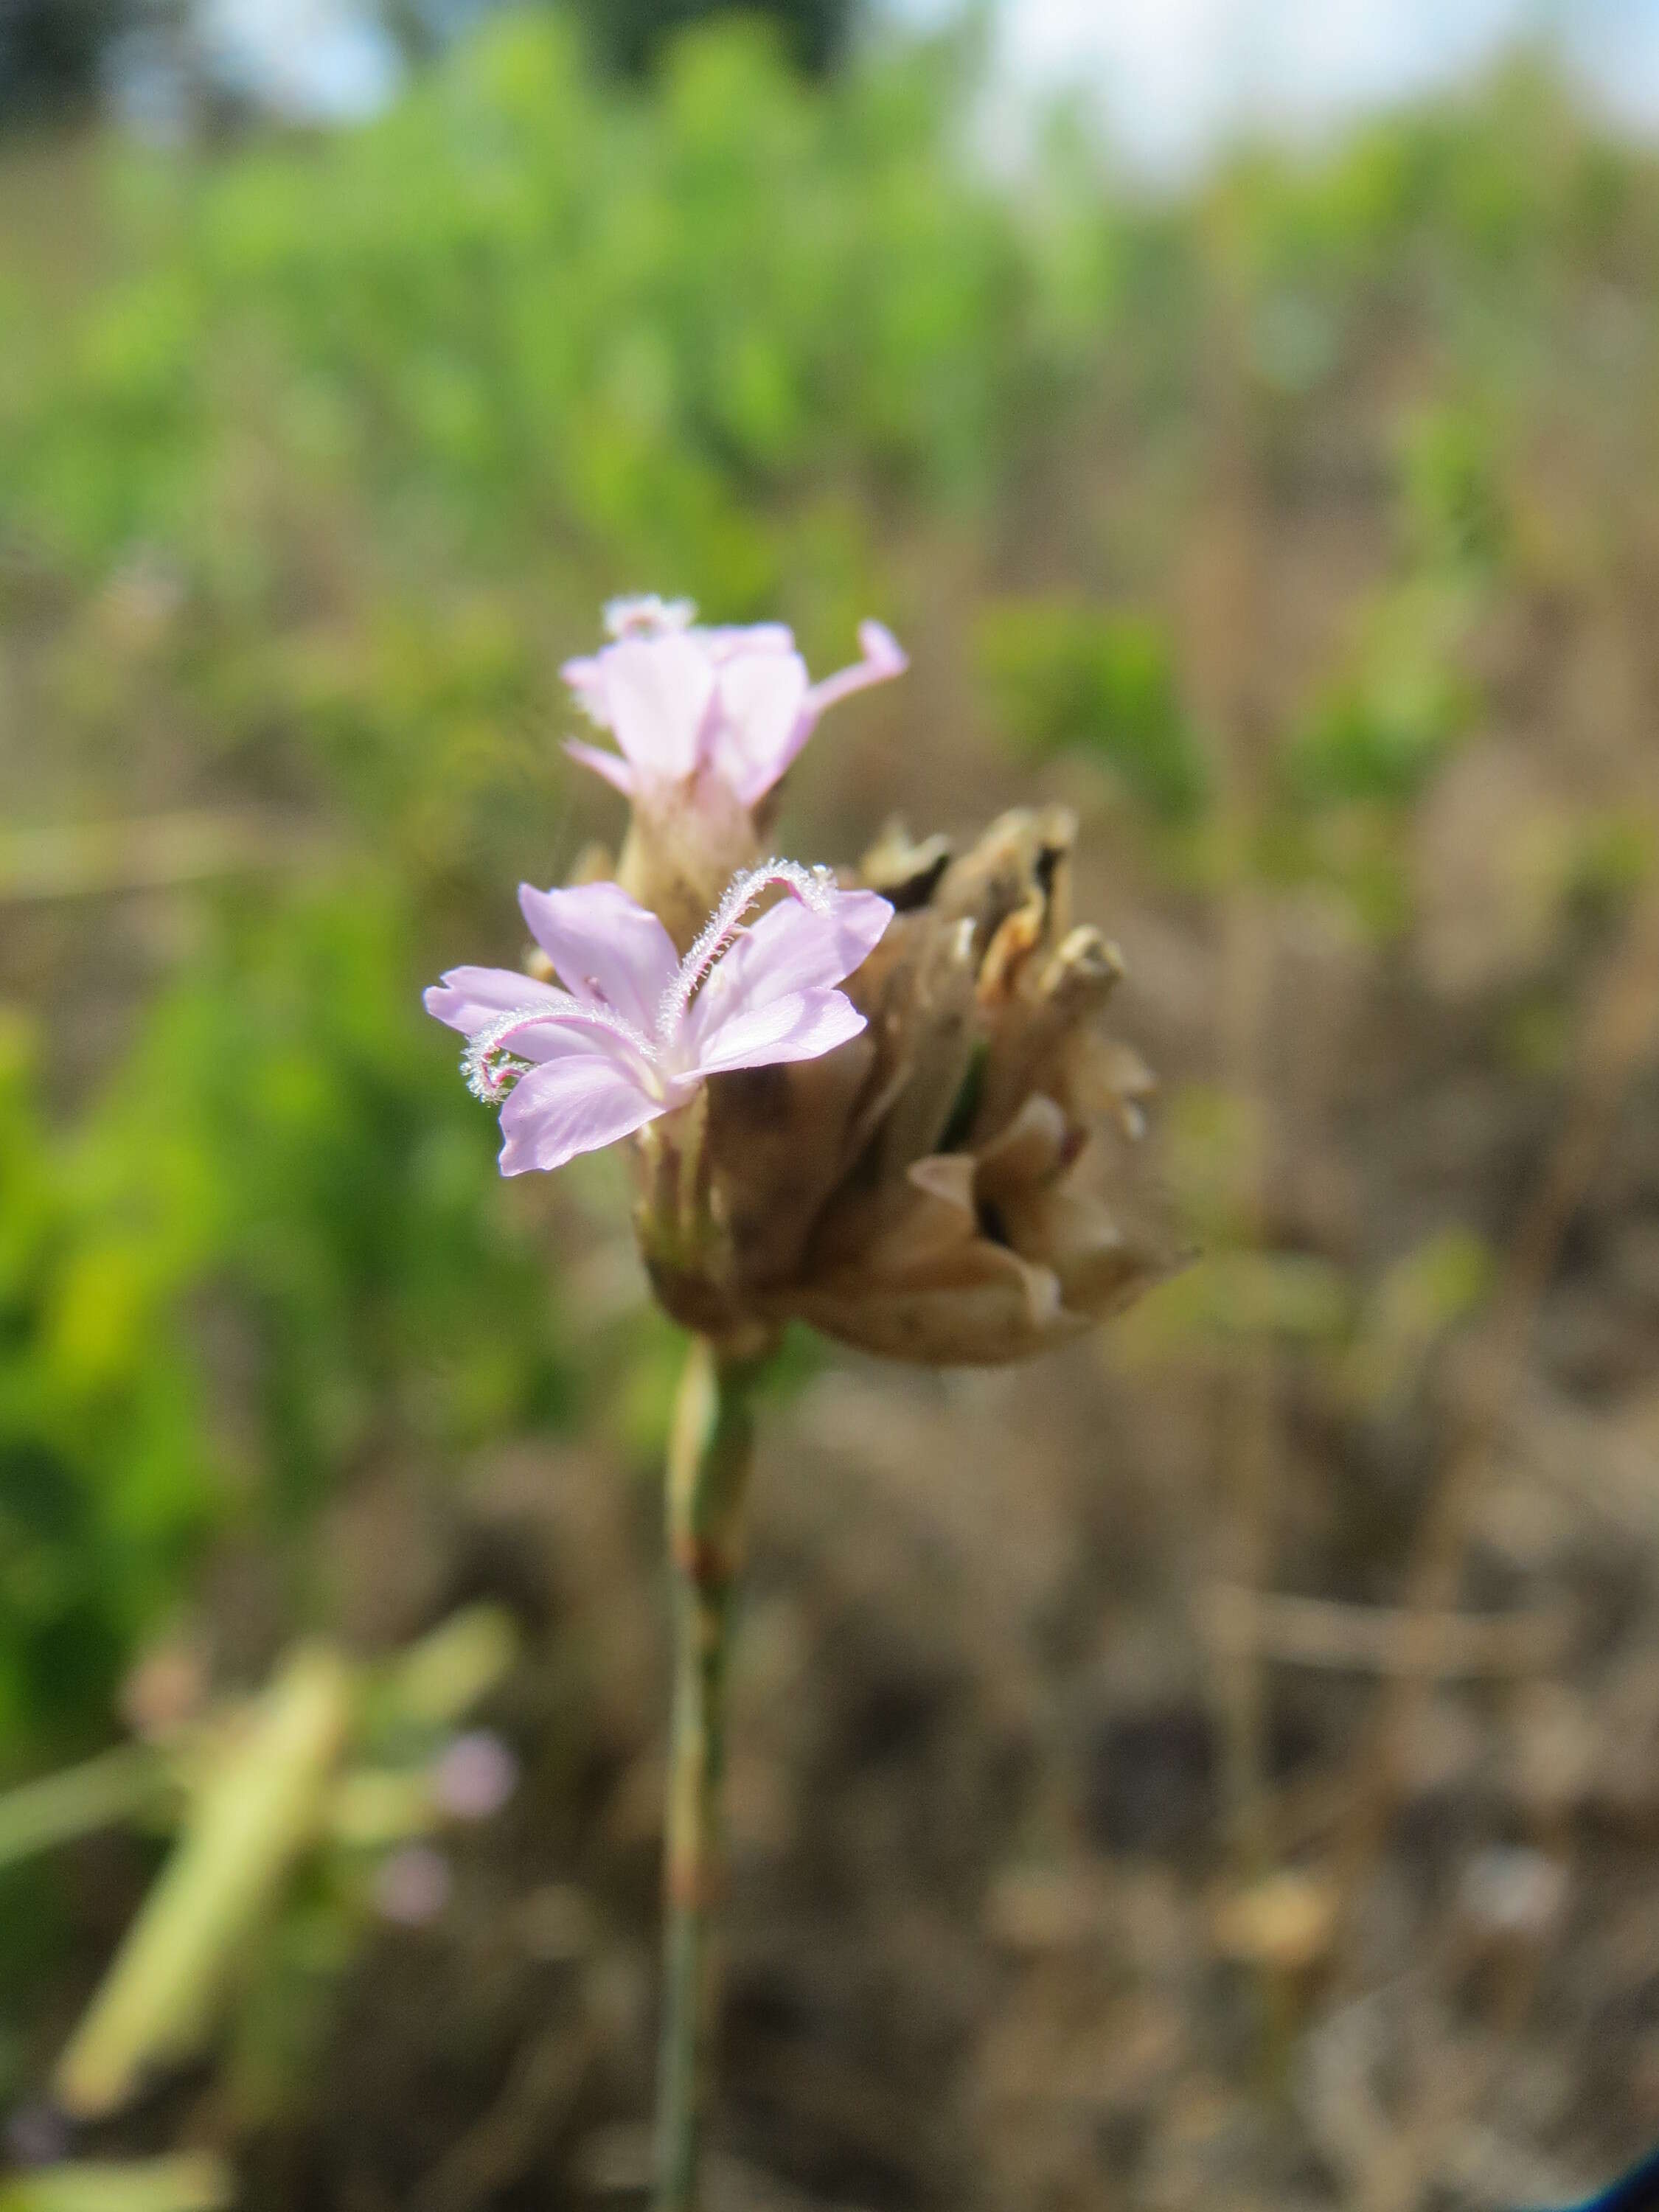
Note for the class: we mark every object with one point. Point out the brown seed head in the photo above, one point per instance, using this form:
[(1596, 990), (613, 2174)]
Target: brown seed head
[(934, 1190)]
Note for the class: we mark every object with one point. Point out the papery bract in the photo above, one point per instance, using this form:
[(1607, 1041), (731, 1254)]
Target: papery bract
[(636, 1031), (687, 704), (958, 1185)]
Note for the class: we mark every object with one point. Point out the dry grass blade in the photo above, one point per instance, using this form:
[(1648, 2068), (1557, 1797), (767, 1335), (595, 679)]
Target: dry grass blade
[(1305, 1631)]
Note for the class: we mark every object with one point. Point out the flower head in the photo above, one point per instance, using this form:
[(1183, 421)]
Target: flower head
[(689, 706), (932, 1163), (957, 1186), (636, 1031)]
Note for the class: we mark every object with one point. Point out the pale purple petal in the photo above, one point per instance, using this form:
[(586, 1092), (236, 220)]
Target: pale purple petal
[(469, 999), (884, 659), (657, 695), (611, 766), (607, 949), (576, 1105), (792, 947), (574, 1027), (762, 695), (413, 1884), (474, 1775), (736, 643), (586, 677), (802, 1026)]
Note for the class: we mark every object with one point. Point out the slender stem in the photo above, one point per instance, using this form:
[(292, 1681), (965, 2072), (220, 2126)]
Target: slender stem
[(709, 1453)]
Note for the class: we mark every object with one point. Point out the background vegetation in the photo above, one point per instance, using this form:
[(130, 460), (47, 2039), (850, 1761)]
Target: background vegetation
[(1221, 1760)]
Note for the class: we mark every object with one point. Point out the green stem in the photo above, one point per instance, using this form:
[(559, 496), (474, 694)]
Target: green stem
[(709, 1453)]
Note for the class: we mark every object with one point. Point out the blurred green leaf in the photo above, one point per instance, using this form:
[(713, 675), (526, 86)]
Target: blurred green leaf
[(1244, 1297), (1386, 723), (190, 2182), (1423, 1295), (1453, 491), (255, 1812), (438, 1680)]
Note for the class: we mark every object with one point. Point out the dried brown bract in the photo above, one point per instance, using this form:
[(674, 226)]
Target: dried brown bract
[(950, 1186)]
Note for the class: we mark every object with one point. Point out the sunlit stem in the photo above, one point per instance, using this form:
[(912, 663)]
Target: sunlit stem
[(709, 1453)]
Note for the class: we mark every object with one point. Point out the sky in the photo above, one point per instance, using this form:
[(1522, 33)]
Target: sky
[(1172, 77), (321, 60)]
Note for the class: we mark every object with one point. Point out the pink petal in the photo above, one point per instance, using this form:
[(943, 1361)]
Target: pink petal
[(791, 948), (611, 766), (474, 1775), (657, 694), (882, 649), (586, 677), (883, 658), (575, 1105), (802, 1026), (761, 696), (609, 951), (469, 999), (734, 643), (413, 1884)]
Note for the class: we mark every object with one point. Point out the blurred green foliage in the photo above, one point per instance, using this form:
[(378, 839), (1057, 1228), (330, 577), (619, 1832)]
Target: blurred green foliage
[(105, 1469), (631, 34), (190, 2182), (1390, 716), (1101, 682), (518, 320), (287, 1164)]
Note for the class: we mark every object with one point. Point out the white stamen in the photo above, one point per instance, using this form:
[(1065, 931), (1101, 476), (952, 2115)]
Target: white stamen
[(811, 886), (490, 1069), (649, 615), (490, 1079)]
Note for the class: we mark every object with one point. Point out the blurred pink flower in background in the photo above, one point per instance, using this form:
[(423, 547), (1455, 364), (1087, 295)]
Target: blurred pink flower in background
[(474, 1776), (412, 1885)]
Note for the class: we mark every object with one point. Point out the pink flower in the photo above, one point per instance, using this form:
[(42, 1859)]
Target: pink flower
[(474, 1775), (683, 702), (638, 1029), (413, 1885)]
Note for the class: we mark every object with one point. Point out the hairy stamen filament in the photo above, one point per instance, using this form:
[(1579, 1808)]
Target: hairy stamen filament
[(490, 1078), (811, 886), (488, 1063)]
